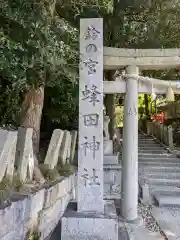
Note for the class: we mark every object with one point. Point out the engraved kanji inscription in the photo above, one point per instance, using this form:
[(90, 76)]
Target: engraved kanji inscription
[(91, 119), (91, 66), (91, 94), (132, 111), (91, 48), (94, 178), (85, 176), (91, 146), (90, 180), (85, 146), (92, 33)]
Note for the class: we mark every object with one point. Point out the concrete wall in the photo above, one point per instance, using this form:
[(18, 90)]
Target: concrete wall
[(42, 208)]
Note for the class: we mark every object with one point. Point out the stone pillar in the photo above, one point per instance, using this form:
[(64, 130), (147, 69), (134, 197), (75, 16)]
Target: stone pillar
[(95, 218), (90, 150), (129, 207), (170, 137)]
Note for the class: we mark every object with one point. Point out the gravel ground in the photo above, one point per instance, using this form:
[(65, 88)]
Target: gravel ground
[(150, 223)]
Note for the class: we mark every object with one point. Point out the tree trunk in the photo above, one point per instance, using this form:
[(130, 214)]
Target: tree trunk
[(32, 112), (110, 110), (109, 102), (155, 106), (146, 103)]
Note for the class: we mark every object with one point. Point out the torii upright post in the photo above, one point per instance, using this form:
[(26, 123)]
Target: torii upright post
[(129, 207)]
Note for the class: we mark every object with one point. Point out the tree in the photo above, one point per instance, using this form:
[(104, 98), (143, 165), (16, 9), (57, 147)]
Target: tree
[(39, 52), (35, 52)]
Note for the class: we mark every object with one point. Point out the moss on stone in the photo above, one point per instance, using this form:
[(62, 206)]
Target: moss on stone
[(66, 169), (6, 191), (16, 183), (49, 174), (9, 187), (33, 235)]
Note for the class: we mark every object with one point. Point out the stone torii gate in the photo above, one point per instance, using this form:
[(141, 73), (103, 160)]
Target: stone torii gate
[(131, 83)]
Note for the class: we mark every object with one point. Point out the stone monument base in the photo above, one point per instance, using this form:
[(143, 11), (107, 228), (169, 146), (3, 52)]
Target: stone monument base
[(90, 226), (108, 147), (111, 159)]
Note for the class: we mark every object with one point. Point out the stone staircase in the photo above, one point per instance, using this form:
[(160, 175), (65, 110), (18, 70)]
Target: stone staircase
[(159, 171)]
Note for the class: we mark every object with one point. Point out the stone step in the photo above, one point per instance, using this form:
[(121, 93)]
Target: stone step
[(164, 182), (145, 143), (150, 143), (160, 168), (155, 147), (167, 200), (150, 146), (160, 164), (162, 160), (161, 151), (146, 138), (150, 150), (164, 189), (163, 175), (111, 159), (141, 140), (154, 155), (157, 156)]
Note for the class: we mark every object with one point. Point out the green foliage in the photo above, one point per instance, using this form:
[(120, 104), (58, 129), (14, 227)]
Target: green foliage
[(119, 111), (39, 45), (66, 169), (49, 174), (56, 173), (14, 185), (145, 24), (61, 106), (37, 48), (8, 187), (33, 234)]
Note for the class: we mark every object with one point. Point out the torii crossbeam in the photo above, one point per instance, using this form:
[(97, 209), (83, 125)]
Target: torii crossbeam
[(152, 59)]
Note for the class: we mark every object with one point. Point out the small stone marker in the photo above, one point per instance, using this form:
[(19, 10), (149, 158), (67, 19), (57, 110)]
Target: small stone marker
[(69, 150), (170, 136), (7, 152), (11, 156), (24, 154), (53, 150), (63, 152), (146, 198), (73, 145)]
